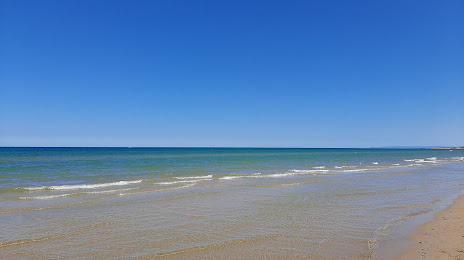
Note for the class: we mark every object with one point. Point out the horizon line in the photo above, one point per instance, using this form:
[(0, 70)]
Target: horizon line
[(248, 147)]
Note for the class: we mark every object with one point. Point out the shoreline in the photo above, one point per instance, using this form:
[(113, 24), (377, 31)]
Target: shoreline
[(181, 204), (440, 238)]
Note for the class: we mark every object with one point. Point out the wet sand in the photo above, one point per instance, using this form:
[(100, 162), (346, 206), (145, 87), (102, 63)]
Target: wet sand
[(441, 238)]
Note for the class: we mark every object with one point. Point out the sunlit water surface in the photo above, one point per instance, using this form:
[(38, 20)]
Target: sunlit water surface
[(90, 203)]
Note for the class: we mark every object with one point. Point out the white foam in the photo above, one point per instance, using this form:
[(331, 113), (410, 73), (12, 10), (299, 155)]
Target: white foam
[(257, 175), (231, 177), (426, 160), (76, 193), (319, 167), (247, 176), (83, 186), (298, 172), (254, 175), (309, 171), (375, 163), (273, 175), (195, 177), (45, 197), (107, 191), (345, 166), (276, 175), (183, 181), (355, 170)]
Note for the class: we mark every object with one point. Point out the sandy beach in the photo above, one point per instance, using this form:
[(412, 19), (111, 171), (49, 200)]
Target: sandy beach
[(441, 238)]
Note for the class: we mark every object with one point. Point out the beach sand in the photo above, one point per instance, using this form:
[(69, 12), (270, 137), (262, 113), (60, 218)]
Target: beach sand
[(441, 238)]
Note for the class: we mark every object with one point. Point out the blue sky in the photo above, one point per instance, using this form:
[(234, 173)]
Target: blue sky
[(231, 73)]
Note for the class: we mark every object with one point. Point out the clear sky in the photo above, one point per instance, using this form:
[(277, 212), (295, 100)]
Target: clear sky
[(231, 73)]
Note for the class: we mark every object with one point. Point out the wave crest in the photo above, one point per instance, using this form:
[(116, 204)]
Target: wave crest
[(83, 186)]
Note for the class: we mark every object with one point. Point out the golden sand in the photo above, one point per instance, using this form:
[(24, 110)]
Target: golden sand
[(441, 238)]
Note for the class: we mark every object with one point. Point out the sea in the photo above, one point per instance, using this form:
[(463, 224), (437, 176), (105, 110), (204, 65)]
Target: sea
[(212, 203)]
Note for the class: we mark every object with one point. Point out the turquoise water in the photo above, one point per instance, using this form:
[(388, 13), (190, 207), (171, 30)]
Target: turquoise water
[(209, 203), (34, 167)]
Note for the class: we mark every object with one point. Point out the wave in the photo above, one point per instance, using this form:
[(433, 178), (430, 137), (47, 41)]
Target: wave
[(273, 175), (253, 175), (83, 186), (70, 194), (195, 177), (45, 197), (426, 160), (341, 169), (290, 173), (257, 175), (183, 181), (106, 191), (373, 164), (356, 170), (309, 171)]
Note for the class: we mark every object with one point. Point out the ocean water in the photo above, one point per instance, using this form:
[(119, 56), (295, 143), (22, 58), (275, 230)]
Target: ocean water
[(209, 203)]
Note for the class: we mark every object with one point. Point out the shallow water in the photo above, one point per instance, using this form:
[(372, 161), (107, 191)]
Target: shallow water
[(210, 203)]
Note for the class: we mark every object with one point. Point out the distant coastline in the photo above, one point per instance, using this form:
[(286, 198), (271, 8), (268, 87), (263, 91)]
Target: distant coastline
[(420, 147)]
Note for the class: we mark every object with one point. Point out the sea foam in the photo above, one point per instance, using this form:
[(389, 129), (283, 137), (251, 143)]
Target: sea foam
[(195, 177), (45, 197), (69, 194), (83, 186), (184, 181), (273, 175)]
